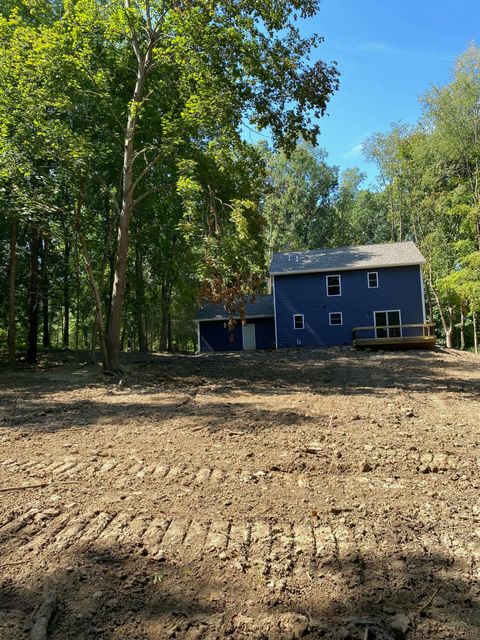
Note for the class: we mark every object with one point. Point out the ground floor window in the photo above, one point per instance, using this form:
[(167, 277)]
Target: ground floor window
[(298, 321), (388, 324), (336, 318)]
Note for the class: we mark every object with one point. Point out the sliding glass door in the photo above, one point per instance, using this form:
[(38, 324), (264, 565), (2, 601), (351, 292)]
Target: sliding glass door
[(387, 324)]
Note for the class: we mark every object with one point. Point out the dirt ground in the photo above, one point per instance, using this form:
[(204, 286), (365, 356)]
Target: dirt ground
[(321, 494)]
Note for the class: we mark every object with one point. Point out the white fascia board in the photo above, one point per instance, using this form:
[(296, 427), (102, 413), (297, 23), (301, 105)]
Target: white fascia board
[(422, 289), (335, 269), (274, 312)]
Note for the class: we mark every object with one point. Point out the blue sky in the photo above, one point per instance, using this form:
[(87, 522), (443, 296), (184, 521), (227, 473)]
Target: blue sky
[(389, 53)]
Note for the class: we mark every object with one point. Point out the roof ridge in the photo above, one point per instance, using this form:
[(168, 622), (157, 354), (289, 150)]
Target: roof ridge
[(348, 246), (382, 254)]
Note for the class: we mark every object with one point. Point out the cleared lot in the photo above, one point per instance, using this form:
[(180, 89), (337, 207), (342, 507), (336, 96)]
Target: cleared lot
[(324, 493)]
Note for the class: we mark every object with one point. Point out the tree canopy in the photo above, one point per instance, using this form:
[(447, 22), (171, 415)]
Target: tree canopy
[(129, 192), (123, 121)]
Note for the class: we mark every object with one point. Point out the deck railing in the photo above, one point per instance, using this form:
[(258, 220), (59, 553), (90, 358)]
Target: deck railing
[(394, 332)]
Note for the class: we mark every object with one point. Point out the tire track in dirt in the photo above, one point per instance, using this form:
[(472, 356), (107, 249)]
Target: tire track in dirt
[(252, 543), (282, 555), (285, 545), (114, 470)]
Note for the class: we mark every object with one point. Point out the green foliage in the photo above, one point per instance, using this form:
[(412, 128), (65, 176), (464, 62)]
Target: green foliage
[(307, 205), (67, 77), (208, 208), (298, 201), (430, 178), (453, 114), (462, 286), (224, 223)]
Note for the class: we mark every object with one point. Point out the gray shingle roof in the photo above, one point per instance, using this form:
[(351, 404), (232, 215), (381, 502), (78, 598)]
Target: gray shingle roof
[(263, 306), (367, 256)]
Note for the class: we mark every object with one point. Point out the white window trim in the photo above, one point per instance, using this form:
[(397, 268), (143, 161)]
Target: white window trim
[(423, 295), (334, 275), (299, 315), (368, 279), (275, 312), (335, 313), (388, 311)]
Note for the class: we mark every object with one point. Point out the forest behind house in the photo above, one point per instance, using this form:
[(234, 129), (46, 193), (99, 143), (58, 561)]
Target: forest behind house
[(130, 189)]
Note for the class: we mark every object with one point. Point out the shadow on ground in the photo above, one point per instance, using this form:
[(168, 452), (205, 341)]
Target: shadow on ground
[(26, 396), (119, 592)]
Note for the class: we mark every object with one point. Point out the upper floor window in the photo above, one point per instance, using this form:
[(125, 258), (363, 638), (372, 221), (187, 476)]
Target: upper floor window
[(334, 286), (372, 279), (298, 321)]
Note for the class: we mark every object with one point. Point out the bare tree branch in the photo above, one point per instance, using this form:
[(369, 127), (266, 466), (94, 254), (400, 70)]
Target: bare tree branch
[(145, 195), (148, 167), (110, 193)]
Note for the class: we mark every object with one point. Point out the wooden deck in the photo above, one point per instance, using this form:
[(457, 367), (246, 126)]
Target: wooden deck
[(401, 336)]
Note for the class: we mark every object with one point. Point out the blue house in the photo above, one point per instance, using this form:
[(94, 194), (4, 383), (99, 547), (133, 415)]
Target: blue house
[(258, 332), (326, 297)]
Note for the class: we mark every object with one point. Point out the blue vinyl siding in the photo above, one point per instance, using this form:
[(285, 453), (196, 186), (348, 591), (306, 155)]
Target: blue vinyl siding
[(398, 288), (215, 337), (264, 333)]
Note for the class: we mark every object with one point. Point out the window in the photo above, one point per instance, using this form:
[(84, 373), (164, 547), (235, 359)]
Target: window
[(334, 286), (298, 322), (372, 279), (335, 318)]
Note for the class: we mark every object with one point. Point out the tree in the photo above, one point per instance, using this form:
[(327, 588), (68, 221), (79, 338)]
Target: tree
[(453, 112), (386, 151), (367, 220), (221, 193), (214, 38), (298, 201), (348, 190), (463, 287), (100, 100)]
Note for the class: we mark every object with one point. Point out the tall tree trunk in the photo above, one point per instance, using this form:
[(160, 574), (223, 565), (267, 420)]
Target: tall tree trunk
[(147, 331), (33, 298), (66, 295), (446, 324), (462, 328), (169, 327), (98, 302), (164, 303), (77, 305), (93, 342), (106, 258), (122, 337), (45, 293), (400, 220), (12, 280), (128, 195), (430, 305), (59, 331), (140, 300), (475, 333), (450, 328)]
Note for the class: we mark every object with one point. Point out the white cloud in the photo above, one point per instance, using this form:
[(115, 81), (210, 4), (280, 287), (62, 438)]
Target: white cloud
[(354, 152), (363, 47), (375, 47), (378, 47)]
